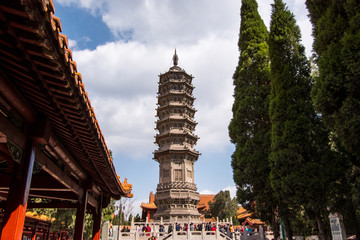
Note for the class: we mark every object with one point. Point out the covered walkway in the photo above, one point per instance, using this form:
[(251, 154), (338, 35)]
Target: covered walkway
[(51, 145)]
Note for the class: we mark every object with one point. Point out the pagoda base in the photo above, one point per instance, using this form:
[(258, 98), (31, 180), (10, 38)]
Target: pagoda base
[(177, 205)]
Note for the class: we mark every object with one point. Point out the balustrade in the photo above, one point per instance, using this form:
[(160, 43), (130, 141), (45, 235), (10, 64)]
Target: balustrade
[(136, 232)]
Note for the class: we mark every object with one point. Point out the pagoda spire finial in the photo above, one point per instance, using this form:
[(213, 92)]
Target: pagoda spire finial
[(175, 58)]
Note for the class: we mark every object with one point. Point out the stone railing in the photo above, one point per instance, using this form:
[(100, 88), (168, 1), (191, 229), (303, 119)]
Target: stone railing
[(195, 235), (136, 233)]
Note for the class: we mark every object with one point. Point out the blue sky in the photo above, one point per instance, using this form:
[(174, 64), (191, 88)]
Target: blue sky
[(122, 46)]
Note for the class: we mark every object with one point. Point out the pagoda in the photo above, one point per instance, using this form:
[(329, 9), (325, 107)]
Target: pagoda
[(176, 195)]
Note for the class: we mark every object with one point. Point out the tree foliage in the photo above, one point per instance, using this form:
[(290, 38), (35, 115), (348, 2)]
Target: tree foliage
[(223, 206), (302, 163), (250, 127), (336, 32), (65, 218), (337, 45)]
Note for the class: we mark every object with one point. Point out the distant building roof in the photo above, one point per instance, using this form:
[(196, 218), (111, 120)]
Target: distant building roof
[(252, 222), (204, 200), (242, 213)]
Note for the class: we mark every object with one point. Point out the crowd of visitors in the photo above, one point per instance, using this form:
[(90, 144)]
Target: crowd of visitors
[(226, 229), (181, 229)]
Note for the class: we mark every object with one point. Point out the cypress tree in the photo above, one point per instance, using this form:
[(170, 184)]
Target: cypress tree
[(250, 127), (302, 163), (336, 30)]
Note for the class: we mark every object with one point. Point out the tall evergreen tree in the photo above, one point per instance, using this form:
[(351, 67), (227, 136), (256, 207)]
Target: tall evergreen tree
[(336, 95), (302, 163), (222, 206), (336, 32), (250, 127)]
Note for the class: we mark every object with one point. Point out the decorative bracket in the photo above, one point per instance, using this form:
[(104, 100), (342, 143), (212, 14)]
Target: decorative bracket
[(15, 151)]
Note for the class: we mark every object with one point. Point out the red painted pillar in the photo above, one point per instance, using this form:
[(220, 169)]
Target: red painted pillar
[(33, 235), (48, 234), (97, 221), (60, 235), (80, 217), (14, 216)]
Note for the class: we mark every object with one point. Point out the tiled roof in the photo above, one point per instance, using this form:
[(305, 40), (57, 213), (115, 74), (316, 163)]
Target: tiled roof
[(205, 199), (148, 205), (253, 221), (242, 213), (35, 57)]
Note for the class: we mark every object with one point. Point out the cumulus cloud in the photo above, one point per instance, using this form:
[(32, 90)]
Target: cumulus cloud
[(121, 79), (164, 21)]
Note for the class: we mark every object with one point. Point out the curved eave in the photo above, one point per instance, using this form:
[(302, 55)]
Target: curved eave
[(182, 71), (182, 81), (148, 206), (47, 77)]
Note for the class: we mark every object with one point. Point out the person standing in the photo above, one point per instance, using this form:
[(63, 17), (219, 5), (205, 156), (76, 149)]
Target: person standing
[(148, 230)]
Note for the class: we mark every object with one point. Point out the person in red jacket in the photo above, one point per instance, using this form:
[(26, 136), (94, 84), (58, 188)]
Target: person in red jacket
[(213, 229), (148, 229)]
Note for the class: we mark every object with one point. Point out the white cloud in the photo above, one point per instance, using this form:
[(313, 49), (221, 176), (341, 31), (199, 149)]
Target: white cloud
[(165, 21), (121, 80), (206, 191), (137, 209), (72, 44), (298, 8), (121, 76), (232, 190)]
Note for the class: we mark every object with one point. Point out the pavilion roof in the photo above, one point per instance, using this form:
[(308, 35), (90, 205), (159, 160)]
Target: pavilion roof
[(36, 59), (148, 205), (253, 221), (242, 213)]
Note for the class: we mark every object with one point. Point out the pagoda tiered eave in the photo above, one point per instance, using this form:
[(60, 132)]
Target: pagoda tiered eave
[(176, 133), (176, 70), (191, 152), (171, 117), (176, 104), (177, 93)]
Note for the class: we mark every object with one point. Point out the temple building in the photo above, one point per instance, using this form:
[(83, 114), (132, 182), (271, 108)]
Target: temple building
[(52, 151), (176, 195)]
